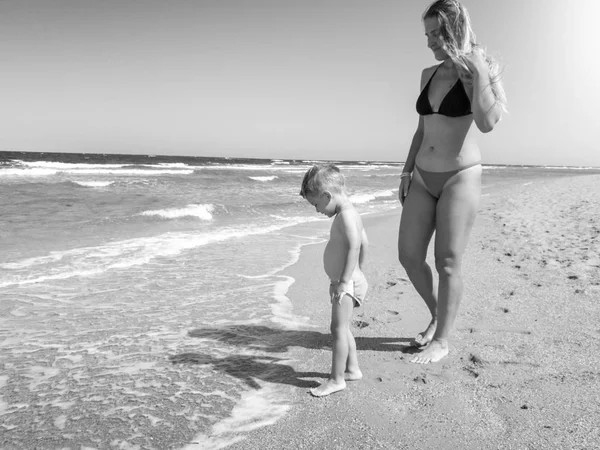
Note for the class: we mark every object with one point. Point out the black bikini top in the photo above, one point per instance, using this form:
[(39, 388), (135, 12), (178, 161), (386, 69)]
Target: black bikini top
[(456, 103)]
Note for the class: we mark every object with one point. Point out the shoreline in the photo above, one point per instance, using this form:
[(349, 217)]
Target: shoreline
[(517, 360)]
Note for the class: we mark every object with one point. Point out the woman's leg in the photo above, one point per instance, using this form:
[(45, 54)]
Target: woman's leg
[(416, 228), (455, 216)]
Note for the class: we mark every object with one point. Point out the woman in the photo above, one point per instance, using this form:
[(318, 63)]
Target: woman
[(440, 184)]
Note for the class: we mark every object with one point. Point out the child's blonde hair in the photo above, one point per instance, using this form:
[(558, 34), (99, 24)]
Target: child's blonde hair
[(320, 178)]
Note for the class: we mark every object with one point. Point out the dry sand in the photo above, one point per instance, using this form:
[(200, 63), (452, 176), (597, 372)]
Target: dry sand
[(524, 364)]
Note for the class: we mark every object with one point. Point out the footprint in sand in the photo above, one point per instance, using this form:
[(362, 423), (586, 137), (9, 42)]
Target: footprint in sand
[(360, 324), (421, 378), (476, 364), (471, 372), (476, 360), (395, 316)]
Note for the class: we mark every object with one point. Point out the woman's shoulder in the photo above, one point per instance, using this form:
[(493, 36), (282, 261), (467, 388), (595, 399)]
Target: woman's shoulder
[(427, 73), (431, 69)]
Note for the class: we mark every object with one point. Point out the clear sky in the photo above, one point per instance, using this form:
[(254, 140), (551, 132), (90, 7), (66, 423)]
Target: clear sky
[(305, 79)]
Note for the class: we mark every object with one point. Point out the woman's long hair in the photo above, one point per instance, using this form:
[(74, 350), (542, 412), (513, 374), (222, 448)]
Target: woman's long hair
[(459, 40)]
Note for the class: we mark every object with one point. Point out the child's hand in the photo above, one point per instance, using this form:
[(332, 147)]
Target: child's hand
[(339, 291)]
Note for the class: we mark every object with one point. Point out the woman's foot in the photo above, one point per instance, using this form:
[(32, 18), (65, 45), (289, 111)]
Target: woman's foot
[(425, 337), (329, 387), (436, 350)]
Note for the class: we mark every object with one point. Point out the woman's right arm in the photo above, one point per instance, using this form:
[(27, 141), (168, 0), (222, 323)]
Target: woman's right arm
[(409, 165), (417, 139)]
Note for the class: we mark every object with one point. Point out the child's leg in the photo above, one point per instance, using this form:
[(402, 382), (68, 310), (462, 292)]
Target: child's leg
[(340, 332), (352, 370)]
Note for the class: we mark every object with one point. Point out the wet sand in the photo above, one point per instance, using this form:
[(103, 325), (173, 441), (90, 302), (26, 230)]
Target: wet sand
[(524, 365)]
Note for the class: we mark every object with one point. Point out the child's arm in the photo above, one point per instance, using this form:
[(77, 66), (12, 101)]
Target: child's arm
[(351, 234)]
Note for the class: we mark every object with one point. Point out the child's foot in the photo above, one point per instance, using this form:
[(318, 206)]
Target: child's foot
[(329, 387), (352, 375), (435, 351), (425, 337)]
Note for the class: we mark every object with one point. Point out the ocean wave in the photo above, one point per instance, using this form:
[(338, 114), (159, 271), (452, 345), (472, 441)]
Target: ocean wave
[(25, 172), (94, 183), (130, 171), (122, 255), (570, 167), (45, 168), (203, 212), (64, 166), (271, 178), (44, 172), (378, 175), (365, 198), (252, 167), (493, 167)]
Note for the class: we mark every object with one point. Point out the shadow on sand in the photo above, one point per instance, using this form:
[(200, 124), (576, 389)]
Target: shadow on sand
[(249, 368), (274, 340)]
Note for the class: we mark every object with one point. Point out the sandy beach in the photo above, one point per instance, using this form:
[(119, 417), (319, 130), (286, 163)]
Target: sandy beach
[(524, 367)]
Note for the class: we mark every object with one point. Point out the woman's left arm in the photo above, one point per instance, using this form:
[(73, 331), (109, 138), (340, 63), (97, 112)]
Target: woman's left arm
[(486, 110)]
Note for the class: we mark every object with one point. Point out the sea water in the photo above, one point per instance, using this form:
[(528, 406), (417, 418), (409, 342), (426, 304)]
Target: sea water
[(143, 298)]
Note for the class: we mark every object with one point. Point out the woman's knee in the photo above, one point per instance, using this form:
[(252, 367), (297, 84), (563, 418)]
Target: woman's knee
[(448, 265), (410, 259)]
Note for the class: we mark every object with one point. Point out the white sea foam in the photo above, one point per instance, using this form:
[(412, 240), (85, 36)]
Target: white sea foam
[(176, 165), (256, 408), (365, 198), (271, 178), (282, 309), (203, 212), (570, 167), (93, 261), (66, 166), (28, 172), (94, 183), (287, 168), (130, 171), (98, 170), (253, 167)]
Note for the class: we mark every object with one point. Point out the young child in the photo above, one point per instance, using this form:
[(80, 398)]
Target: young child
[(323, 187)]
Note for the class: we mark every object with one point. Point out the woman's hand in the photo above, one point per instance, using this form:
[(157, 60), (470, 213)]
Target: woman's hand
[(403, 189), (476, 62)]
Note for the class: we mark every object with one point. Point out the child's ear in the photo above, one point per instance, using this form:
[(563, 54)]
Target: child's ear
[(328, 195)]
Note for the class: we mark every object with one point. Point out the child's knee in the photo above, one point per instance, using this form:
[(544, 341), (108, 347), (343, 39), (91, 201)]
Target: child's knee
[(337, 329)]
